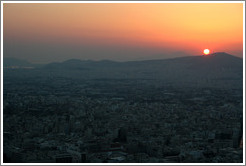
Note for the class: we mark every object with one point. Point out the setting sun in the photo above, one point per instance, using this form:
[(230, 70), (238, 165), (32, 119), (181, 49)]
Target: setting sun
[(206, 51), (121, 31)]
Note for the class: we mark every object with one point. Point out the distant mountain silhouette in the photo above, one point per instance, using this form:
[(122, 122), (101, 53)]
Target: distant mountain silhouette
[(212, 61), (80, 65), (214, 70), (209, 62)]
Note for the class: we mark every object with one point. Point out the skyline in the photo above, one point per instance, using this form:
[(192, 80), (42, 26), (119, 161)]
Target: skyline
[(42, 33)]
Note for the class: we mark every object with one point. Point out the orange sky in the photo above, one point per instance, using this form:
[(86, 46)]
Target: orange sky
[(186, 27)]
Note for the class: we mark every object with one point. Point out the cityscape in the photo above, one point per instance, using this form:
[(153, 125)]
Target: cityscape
[(122, 82), (67, 117)]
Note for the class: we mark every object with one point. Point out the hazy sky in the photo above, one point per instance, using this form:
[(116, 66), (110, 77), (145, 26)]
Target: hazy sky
[(48, 32)]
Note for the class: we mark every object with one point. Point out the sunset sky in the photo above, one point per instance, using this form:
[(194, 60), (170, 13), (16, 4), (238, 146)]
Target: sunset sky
[(48, 32)]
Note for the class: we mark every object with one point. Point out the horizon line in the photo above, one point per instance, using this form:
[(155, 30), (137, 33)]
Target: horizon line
[(118, 61)]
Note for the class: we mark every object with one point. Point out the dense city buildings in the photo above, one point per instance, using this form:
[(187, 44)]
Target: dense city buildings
[(64, 119)]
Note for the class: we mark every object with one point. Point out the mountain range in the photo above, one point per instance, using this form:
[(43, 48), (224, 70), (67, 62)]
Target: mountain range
[(215, 60), (210, 69), (218, 59)]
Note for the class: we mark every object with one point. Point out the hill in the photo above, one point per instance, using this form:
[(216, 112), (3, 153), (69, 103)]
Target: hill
[(215, 70)]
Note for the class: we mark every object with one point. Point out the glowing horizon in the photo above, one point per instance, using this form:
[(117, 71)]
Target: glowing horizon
[(44, 32)]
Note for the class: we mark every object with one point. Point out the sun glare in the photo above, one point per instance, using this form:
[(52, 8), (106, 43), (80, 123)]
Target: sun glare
[(206, 51)]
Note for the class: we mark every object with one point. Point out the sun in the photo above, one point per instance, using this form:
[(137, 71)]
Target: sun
[(206, 51)]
